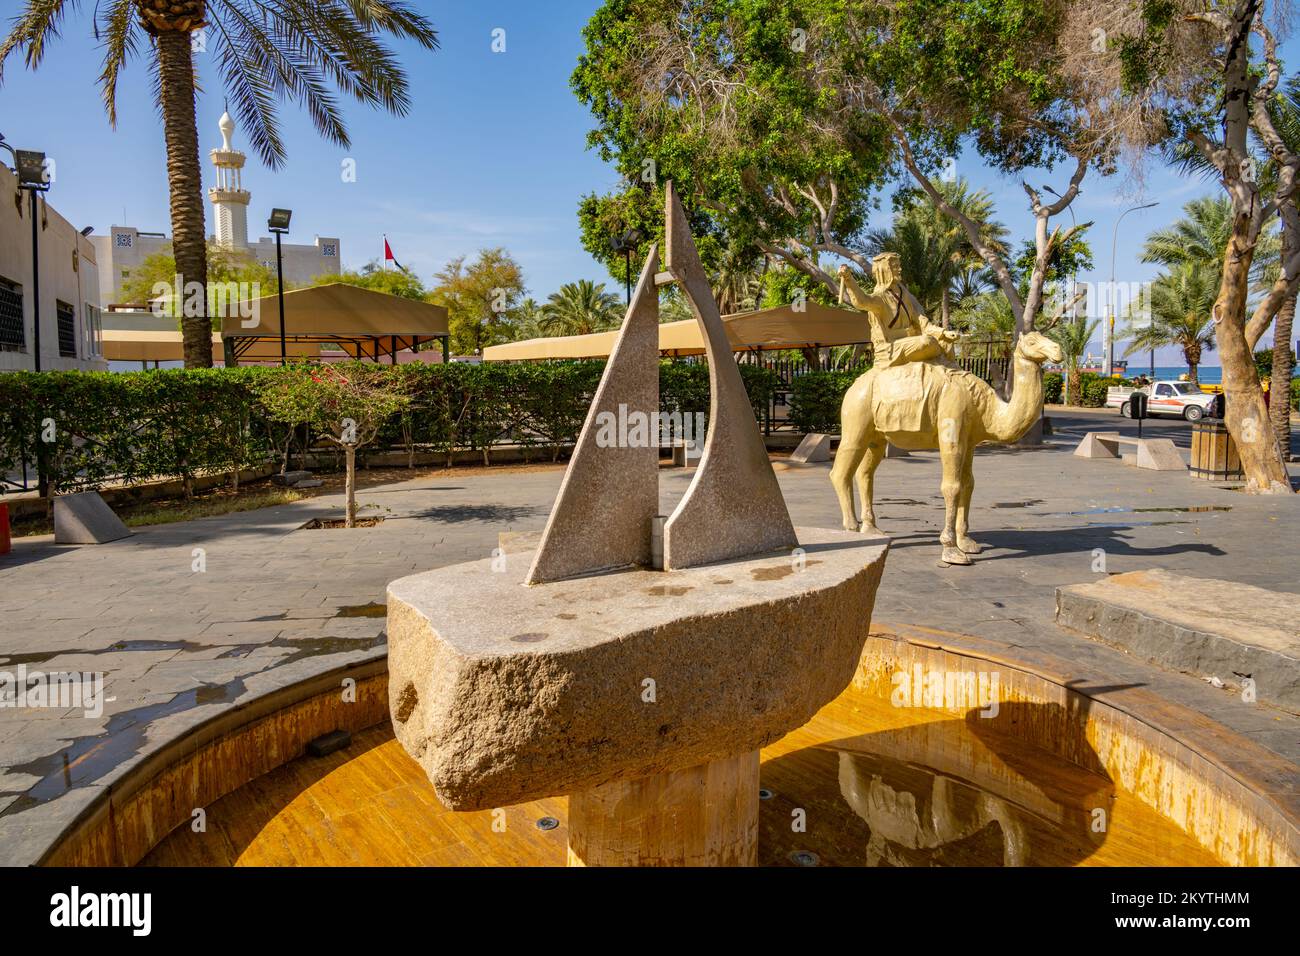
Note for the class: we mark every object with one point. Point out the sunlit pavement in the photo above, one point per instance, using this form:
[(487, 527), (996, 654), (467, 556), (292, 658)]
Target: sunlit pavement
[(185, 618)]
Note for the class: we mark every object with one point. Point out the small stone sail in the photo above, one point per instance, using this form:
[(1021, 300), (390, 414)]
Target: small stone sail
[(606, 507), (734, 507)]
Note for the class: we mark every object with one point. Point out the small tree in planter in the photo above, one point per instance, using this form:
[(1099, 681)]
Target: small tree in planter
[(347, 403)]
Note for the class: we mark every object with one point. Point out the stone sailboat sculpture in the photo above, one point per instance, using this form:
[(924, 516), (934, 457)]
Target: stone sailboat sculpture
[(643, 694)]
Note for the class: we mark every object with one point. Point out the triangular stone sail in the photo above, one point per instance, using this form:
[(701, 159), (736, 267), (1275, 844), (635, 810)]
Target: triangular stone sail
[(607, 504), (734, 507)]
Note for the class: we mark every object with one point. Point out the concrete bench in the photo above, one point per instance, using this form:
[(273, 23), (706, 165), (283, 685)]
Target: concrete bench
[(1156, 454)]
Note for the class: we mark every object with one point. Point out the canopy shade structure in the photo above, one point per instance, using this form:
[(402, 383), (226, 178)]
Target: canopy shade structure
[(782, 327), (364, 322), (137, 345)]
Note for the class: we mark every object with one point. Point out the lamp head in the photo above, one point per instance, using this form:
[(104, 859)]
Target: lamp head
[(32, 173)]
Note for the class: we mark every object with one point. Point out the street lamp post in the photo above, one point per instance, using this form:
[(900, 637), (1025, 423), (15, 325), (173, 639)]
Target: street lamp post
[(32, 176), (1110, 337), (627, 244), (279, 224)]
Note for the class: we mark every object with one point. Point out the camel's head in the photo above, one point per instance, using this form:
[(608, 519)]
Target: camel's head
[(1038, 348)]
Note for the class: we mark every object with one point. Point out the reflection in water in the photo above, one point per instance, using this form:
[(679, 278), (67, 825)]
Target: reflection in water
[(940, 791)]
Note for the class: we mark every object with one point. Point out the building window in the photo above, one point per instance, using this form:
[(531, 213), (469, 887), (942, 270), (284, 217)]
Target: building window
[(329, 249), (122, 240), (94, 332), (13, 331), (67, 319)]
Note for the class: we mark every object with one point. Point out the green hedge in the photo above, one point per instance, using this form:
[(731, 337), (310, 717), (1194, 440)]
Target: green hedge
[(1053, 388), (85, 428), (137, 426), (815, 400)]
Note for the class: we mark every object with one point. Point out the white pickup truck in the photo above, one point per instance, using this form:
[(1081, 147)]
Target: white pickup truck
[(1164, 398)]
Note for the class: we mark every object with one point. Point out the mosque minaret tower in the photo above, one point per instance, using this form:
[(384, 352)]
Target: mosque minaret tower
[(229, 197), (123, 249)]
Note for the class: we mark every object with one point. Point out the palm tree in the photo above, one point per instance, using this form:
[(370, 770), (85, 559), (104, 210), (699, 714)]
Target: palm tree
[(526, 321), (580, 307), (1285, 108), (290, 49), (1073, 335), (1181, 313), (942, 266), (1201, 236)]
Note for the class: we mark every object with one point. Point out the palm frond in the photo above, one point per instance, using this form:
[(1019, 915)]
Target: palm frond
[(38, 24), (304, 51), (116, 27)]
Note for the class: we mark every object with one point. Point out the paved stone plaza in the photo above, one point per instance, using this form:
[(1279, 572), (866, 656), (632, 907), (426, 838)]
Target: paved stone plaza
[(274, 602)]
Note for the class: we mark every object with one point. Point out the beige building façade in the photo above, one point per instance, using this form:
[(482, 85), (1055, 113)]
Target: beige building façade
[(69, 287)]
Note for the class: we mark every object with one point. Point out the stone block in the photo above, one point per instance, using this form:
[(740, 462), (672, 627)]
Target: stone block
[(290, 478), (84, 518), (1098, 445), (1159, 454), (814, 447)]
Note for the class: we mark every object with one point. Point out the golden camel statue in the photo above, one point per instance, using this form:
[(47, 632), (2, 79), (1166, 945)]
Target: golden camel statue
[(919, 405)]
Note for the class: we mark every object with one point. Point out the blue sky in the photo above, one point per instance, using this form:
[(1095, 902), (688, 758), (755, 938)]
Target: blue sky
[(493, 153)]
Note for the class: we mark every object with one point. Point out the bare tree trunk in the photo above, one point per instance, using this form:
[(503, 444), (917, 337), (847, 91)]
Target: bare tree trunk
[(185, 180), (1279, 389), (1245, 413), (350, 486)]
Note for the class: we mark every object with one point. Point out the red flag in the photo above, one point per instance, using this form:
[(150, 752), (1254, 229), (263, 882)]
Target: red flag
[(389, 257)]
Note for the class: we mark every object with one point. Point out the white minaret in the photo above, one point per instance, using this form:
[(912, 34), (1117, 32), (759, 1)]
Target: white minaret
[(229, 197)]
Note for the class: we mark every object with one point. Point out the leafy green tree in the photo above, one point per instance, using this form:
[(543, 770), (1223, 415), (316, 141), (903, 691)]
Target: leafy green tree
[(346, 403), (233, 276), (372, 276), (778, 119), (266, 53), (581, 307), (480, 298), (1181, 313)]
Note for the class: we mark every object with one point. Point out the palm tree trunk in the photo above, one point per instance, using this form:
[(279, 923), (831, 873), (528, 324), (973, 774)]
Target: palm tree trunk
[(1279, 389), (185, 179)]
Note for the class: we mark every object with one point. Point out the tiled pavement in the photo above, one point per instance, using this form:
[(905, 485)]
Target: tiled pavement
[(274, 603)]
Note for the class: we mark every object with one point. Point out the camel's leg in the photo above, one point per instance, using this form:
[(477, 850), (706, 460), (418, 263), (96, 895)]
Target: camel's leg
[(874, 454), (855, 423), (965, 542), (847, 457), (951, 429)]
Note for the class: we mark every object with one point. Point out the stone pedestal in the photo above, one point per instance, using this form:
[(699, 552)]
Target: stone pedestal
[(706, 815), (642, 695)]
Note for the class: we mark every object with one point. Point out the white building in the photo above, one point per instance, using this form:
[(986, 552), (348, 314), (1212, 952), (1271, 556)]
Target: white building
[(126, 247), (69, 287)]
